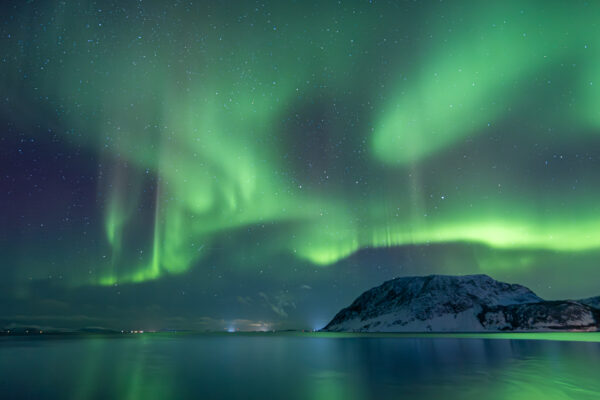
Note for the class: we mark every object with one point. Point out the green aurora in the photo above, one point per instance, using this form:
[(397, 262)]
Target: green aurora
[(329, 128)]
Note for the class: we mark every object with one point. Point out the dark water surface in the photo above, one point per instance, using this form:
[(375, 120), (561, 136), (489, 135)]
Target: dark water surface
[(299, 366)]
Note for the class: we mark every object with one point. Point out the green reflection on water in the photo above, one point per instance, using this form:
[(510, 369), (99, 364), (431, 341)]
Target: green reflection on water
[(553, 336), (296, 365)]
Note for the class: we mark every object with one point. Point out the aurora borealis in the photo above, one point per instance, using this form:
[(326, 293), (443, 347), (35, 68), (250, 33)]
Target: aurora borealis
[(261, 164)]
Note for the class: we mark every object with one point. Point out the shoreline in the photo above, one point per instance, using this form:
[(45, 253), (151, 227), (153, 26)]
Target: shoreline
[(593, 337)]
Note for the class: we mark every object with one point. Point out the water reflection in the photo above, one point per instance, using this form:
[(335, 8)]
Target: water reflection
[(296, 367)]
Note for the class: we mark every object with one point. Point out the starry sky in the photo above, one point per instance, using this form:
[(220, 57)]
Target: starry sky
[(257, 165)]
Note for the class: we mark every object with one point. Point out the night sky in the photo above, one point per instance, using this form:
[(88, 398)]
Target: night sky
[(257, 165)]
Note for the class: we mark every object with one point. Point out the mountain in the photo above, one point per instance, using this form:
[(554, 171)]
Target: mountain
[(592, 302), (470, 303)]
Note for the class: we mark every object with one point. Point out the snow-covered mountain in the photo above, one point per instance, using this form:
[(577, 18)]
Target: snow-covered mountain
[(470, 303)]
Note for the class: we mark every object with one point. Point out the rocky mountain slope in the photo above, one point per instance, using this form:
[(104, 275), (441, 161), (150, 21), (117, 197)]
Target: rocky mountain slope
[(471, 303)]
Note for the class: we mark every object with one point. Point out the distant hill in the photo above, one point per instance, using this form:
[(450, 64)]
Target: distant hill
[(14, 329), (470, 303), (592, 302)]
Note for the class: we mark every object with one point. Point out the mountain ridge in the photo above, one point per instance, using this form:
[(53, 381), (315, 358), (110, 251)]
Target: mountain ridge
[(467, 303)]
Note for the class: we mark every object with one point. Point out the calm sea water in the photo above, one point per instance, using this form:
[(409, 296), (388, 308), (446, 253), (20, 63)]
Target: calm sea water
[(297, 366)]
